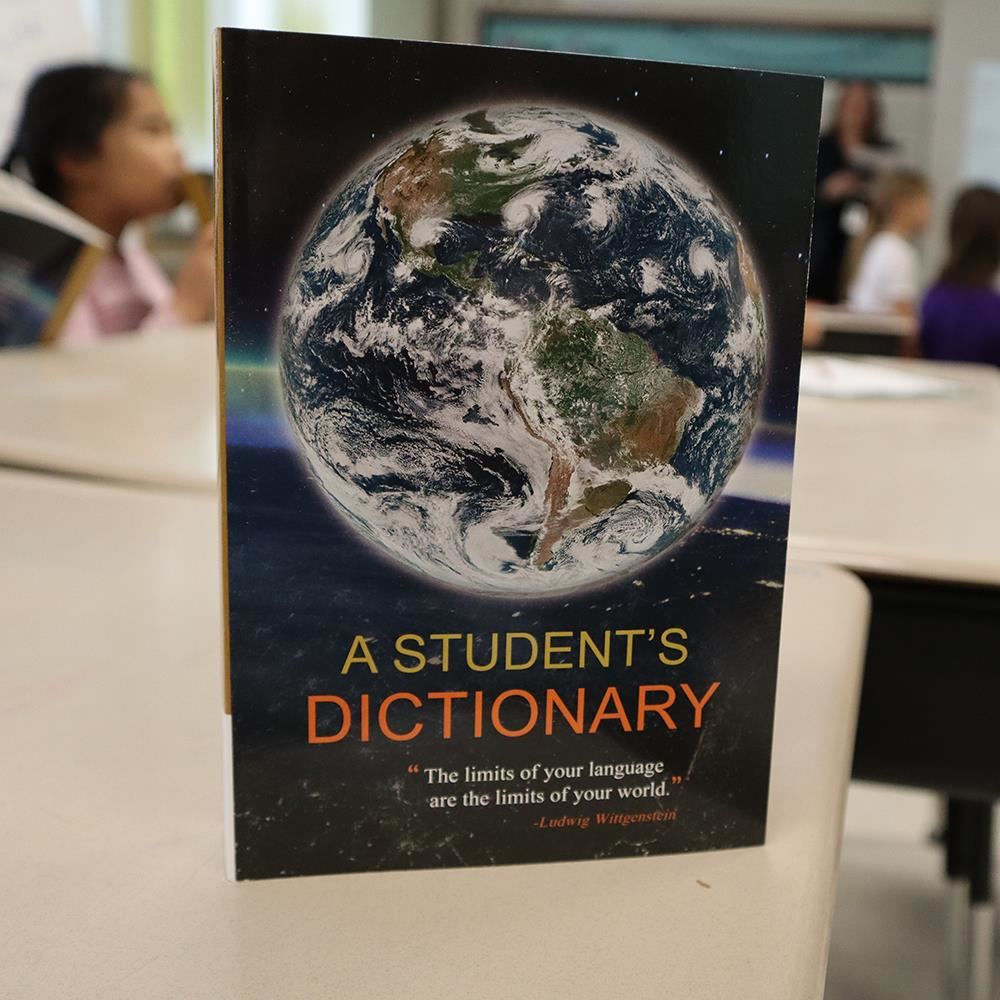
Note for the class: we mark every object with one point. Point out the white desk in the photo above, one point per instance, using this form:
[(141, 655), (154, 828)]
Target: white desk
[(837, 328), (138, 408), (840, 319), (111, 864), (907, 488)]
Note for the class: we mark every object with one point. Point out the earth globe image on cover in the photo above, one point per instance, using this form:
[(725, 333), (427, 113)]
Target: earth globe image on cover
[(522, 349)]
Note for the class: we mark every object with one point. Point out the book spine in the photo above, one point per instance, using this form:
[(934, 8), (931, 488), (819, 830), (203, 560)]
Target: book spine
[(220, 331), (229, 824)]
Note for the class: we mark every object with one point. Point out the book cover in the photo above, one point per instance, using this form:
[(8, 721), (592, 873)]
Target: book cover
[(46, 256), (511, 350)]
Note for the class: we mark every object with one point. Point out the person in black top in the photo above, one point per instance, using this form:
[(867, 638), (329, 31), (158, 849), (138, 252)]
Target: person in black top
[(850, 154)]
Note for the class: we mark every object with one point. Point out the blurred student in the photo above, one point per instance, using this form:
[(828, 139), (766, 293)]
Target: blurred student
[(960, 317), (882, 270), (849, 155), (98, 139)]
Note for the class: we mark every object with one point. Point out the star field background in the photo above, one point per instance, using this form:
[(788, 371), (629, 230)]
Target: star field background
[(299, 113)]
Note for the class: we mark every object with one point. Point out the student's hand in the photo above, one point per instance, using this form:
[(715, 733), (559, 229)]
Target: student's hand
[(194, 295), (840, 185)]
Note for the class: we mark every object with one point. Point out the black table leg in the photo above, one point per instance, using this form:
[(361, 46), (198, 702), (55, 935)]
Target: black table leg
[(969, 866), (981, 909), (958, 870)]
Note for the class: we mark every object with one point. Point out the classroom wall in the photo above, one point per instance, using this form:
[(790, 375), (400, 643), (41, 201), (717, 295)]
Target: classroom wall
[(419, 19), (967, 31), (33, 36)]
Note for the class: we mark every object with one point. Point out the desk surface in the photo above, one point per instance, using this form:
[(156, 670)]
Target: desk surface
[(112, 862), (134, 408), (844, 320), (904, 487)]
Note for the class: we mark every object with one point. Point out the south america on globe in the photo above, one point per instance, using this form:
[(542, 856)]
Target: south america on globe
[(522, 349)]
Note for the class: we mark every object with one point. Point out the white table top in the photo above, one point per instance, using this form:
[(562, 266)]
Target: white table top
[(112, 868), (844, 320), (905, 487), (138, 408)]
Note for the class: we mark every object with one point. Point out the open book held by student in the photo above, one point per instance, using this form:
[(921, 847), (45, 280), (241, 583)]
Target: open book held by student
[(47, 254)]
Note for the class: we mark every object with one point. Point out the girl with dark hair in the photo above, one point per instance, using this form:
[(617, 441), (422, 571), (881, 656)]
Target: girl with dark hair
[(98, 140), (960, 317)]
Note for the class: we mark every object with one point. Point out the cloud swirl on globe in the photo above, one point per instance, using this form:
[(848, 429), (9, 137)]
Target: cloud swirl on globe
[(522, 349)]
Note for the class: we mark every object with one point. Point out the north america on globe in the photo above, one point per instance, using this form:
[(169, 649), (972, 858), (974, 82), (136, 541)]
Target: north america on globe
[(522, 349)]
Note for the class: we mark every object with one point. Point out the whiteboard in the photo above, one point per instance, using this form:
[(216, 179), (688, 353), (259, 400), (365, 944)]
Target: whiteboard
[(982, 136), (36, 34)]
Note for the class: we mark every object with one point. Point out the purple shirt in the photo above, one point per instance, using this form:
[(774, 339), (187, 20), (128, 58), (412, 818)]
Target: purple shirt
[(961, 324)]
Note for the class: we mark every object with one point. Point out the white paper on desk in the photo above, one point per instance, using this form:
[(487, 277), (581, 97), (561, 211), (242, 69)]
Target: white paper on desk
[(838, 378)]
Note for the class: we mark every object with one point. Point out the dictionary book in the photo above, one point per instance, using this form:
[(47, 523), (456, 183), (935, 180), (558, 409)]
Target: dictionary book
[(510, 350)]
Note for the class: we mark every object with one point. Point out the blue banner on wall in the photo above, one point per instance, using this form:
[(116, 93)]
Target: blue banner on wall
[(883, 54)]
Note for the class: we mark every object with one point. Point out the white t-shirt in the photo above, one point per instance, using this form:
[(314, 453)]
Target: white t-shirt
[(887, 275)]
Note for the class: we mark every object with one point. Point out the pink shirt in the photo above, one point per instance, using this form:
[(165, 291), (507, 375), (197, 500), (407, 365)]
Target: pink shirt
[(127, 291)]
